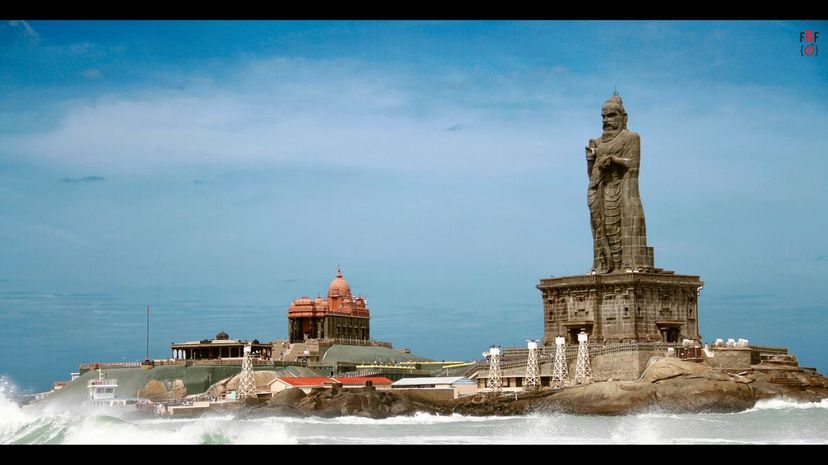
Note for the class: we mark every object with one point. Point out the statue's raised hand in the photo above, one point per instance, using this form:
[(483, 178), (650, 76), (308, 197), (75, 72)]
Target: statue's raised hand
[(590, 150)]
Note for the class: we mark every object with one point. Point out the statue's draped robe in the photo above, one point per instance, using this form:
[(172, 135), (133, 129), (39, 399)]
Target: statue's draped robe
[(617, 216)]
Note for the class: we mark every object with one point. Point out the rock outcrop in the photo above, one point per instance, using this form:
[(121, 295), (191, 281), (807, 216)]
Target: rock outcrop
[(668, 384), (156, 390), (261, 378), (328, 403)]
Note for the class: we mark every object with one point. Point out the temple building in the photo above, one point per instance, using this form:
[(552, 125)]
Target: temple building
[(220, 347), (339, 316)]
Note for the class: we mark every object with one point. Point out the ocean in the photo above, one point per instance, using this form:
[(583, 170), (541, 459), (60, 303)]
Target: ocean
[(770, 422)]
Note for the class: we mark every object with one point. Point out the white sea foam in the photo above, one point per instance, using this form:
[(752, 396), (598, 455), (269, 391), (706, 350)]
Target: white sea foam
[(419, 418), (12, 417), (787, 404), (635, 430), (88, 431), (703, 440), (659, 415)]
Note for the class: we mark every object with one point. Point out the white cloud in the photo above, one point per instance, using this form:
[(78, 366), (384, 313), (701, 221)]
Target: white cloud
[(26, 28), (227, 129), (347, 113), (330, 113)]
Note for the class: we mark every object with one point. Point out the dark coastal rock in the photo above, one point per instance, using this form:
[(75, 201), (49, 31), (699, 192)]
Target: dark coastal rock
[(607, 398), (265, 410), (289, 397), (667, 384), (401, 407), (700, 394), (666, 368), (363, 402), (346, 403), (800, 385)]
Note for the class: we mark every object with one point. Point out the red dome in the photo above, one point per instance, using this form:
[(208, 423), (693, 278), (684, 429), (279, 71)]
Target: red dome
[(304, 306), (339, 287), (304, 300)]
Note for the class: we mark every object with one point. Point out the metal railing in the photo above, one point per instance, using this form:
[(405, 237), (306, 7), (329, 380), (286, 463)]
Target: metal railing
[(767, 351), (101, 382), (407, 372), (350, 342), (547, 356), (104, 365), (200, 362)]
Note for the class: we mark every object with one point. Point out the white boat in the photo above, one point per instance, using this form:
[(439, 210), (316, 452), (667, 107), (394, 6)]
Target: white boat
[(103, 393)]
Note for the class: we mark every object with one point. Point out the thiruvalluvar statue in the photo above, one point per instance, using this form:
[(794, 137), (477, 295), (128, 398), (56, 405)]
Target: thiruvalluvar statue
[(617, 216)]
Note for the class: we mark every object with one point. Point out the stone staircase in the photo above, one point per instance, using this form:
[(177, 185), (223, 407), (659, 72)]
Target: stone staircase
[(297, 349)]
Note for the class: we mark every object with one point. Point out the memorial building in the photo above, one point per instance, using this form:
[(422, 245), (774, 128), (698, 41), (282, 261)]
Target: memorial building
[(339, 316)]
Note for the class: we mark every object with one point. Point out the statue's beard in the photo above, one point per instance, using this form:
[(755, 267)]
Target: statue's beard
[(610, 134)]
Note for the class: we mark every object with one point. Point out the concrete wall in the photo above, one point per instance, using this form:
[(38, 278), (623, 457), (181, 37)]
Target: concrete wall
[(732, 358), (377, 387), (624, 366), (465, 389), (278, 386)]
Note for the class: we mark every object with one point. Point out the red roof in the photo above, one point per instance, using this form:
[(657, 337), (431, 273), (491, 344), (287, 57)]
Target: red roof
[(307, 381), (360, 380)]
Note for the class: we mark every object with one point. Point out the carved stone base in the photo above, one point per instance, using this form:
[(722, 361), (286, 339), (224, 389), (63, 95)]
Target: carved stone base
[(621, 307)]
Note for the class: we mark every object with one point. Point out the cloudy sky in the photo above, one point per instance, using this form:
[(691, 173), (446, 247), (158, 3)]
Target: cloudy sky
[(217, 170)]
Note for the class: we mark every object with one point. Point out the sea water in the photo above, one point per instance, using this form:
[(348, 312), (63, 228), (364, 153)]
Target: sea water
[(769, 422)]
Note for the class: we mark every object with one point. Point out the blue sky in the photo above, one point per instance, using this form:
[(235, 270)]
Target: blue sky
[(217, 170)]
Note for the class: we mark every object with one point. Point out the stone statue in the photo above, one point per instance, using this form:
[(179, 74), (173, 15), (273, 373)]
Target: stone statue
[(617, 216)]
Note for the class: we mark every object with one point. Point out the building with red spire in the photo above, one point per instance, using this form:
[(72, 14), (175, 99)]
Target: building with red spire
[(339, 316)]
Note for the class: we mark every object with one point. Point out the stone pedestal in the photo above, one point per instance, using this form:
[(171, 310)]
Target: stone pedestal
[(621, 307)]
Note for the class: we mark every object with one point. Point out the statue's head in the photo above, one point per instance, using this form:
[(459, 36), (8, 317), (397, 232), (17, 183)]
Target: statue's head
[(613, 116)]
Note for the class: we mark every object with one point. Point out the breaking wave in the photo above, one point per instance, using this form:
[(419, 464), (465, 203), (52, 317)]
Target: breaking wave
[(786, 404)]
